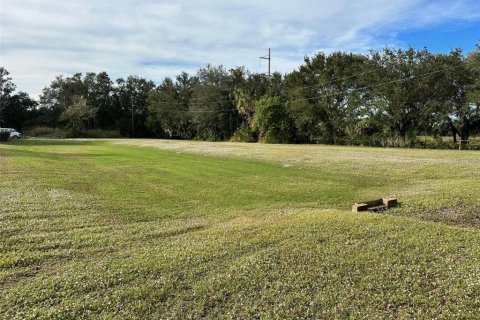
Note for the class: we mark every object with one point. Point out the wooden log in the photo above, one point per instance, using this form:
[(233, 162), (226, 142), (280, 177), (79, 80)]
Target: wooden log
[(375, 205), (378, 208), (390, 202), (357, 207)]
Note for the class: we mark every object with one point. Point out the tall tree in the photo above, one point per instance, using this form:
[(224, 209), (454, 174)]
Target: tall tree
[(169, 115), (16, 109), (100, 96), (78, 115), (473, 89), (212, 104), (97, 89), (60, 94), (458, 96), (401, 89), (7, 87), (131, 96), (321, 95)]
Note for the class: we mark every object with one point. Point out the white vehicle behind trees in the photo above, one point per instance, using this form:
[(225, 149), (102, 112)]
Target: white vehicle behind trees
[(14, 134)]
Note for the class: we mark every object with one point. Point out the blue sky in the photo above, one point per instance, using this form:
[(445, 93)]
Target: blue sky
[(444, 37), (154, 39)]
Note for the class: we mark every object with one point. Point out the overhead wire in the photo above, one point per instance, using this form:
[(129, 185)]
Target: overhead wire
[(340, 79), (302, 87), (197, 104), (367, 87)]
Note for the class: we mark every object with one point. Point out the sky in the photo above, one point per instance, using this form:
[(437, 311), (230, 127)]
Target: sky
[(41, 39)]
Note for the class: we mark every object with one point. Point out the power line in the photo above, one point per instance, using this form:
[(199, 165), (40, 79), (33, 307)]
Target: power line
[(340, 79), (198, 111), (296, 100), (199, 101), (368, 87)]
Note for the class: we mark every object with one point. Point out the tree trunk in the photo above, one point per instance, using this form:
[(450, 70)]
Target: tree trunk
[(465, 129), (455, 131), (403, 135)]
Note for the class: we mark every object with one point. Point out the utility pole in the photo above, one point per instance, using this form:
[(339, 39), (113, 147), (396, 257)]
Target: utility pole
[(269, 58), (131, 107)]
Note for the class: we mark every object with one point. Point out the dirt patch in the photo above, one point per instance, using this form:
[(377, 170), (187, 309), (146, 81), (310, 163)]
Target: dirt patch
[(458, 215)]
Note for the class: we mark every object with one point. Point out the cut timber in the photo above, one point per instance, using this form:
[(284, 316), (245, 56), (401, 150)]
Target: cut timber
[(390, 202), (357, 207), (378, 208), (375, 205)]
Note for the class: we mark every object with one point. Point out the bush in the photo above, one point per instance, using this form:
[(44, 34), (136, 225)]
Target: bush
[(244, 134), (48, 132), (99, 133), (94, 133), (473, 147), (272, 121), (4, 135), (45, 132)]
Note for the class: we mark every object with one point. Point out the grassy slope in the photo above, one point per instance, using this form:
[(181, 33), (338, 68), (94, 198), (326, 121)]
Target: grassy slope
[(93, 229)]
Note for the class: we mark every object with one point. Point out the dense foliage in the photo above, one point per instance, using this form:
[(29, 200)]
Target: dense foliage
[(389, 95), (4, 135)]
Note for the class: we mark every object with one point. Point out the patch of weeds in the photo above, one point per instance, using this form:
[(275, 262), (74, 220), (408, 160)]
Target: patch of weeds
[(458, 214)]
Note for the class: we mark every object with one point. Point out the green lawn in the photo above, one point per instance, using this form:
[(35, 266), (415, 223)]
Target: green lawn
[(139, 229)]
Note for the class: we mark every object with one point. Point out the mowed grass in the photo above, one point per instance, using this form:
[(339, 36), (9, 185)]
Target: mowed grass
[(140, 229)]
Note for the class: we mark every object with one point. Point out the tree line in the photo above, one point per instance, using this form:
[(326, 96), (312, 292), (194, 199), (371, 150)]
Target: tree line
[(330, 98)]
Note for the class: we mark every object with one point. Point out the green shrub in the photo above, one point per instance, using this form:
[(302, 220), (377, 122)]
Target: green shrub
[(99, 133), (49, 132), (4, 135), (94, 133), (44, 132), (244, 134), (272, 121), (472, 146)]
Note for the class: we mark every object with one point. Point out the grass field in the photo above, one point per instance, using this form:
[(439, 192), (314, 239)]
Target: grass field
[(140, 229)]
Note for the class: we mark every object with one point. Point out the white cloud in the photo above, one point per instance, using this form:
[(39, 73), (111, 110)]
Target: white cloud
[(154, 39)]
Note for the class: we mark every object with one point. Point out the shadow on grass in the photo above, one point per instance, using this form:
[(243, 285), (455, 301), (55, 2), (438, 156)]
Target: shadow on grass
[(13, 151), (51, 142), (458, 215)]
